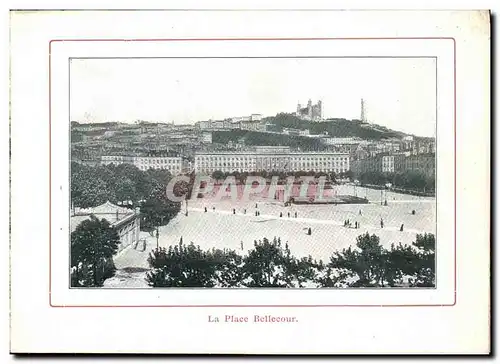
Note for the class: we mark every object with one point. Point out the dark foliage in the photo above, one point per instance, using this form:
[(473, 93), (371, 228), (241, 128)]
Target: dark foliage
[(93, 244)]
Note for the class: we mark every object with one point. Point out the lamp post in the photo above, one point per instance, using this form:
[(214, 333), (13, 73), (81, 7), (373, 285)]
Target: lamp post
[(157, 237)]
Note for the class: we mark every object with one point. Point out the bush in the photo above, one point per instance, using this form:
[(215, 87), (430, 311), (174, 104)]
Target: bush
[(270, 264)]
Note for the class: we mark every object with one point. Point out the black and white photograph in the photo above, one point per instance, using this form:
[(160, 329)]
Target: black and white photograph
[(253, 172)]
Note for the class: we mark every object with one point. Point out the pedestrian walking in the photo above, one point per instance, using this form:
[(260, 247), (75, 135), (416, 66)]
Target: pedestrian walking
[(205, 209), (144, 245), (295, 214), (245, 211), (413, 212), (213, 208), (234, 211), (309, 231), (281, 214), (255, 205), (288, 214), (360, 212), (401, 228), (256, 213), (242, 245), (381, 223)]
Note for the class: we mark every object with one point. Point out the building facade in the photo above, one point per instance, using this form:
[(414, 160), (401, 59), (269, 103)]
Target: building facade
[(206, 137), (125, 221), (396, 163), (310, 112), (423, 163), (271, 159), (176, 165)]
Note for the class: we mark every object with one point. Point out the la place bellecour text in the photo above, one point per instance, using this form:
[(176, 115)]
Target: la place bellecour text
[(253, 318)]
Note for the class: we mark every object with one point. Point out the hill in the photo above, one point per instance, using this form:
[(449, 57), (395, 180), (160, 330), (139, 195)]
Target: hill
[(333, 127), (259, 138)]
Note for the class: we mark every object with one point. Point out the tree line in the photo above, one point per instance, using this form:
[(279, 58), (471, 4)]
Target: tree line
[(282, 175), (412, 180), (270, 264), (92, 186)]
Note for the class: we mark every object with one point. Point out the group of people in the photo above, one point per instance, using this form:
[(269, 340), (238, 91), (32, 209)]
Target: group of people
[(348, 224), (357, 225), (281, 214)]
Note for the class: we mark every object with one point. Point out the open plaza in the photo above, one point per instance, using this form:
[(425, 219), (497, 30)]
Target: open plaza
[(211, 222)]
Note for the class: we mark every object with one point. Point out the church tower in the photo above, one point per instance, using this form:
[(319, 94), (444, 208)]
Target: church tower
[(309, 109)]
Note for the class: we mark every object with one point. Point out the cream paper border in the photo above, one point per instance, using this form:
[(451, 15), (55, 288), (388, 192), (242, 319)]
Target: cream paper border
[(441, 49), (458, 328)]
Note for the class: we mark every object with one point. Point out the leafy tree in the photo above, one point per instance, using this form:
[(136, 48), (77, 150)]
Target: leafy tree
[(125, 190), (93, 244), (180, 266), (228, 267), (426, 272), (268, 265), (218, 175), (361, 267), (370, 265), (156, 213), (189, 266)]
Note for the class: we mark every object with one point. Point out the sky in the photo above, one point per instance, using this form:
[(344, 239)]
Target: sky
[(399, 93)]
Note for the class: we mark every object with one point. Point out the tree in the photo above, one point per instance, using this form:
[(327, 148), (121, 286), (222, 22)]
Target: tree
[(370, 265), (426, 255), (93, 244), (156, 213), (227, 265), (125, 190), (217, 175), (189, 266), (268, 265), (361, 267), (180, 266)]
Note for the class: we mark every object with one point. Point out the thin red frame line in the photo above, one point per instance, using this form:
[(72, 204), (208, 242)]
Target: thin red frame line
[(455, 166), (237, 39), (254, 39)]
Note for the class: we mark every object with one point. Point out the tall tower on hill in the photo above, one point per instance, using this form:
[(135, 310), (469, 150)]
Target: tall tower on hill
[(363, 111)]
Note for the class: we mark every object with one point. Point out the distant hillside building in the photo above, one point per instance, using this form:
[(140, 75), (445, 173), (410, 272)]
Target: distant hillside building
[(310, 112), (206, 137)]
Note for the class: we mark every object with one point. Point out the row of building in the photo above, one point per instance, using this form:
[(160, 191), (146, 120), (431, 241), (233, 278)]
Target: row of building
[(272, 158), (261, 158), (266, 158), (176, 165), (396, 163)]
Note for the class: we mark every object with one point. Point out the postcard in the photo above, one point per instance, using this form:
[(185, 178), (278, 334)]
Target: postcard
[(255, 177)]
